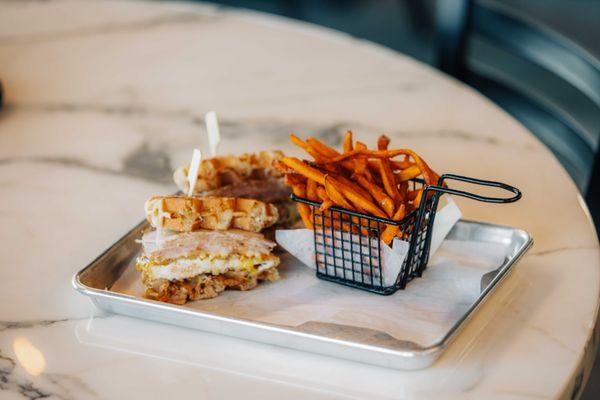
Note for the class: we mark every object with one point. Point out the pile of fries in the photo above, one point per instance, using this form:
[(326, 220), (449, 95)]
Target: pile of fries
[(373, 182)]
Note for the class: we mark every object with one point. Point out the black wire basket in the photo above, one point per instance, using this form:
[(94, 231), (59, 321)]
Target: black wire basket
[(347, 246)]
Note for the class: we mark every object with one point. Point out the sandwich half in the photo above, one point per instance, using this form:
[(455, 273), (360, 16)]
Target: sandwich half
[(249, 176), (186, 214), (185, 266)]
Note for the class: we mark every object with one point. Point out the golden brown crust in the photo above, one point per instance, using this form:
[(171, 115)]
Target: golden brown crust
[(205, 286), (227, 170), (186, 214)]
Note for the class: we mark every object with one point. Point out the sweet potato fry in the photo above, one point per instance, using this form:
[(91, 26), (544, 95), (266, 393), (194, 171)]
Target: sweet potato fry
[(374, 182), (311, 190), (336, 195), (409, 173), (389, 182), (417, 200), (348, 183), (326, 202), (281, 167), (382, 199), (294, 179), (318, 157), (361, 165), (392, 230), (303, 209), (412, 194), (403, 189), (358, 200), (347, 143), (304, 169), (383, 142), (401, 164), (429, 176), (322, 147)]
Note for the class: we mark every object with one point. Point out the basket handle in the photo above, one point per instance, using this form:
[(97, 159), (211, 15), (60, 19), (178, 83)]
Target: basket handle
[(487, 199)]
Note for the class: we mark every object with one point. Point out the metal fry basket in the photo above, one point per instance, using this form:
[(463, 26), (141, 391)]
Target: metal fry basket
[(347, 246)]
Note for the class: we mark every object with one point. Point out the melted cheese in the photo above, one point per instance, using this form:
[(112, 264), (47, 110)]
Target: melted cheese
[(182, 268)]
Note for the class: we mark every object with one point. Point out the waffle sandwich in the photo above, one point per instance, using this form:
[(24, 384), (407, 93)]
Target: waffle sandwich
[(204, 245), (249, 176)]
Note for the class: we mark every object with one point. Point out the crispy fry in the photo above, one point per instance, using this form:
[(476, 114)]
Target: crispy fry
[(412, 194), (281, 167), (304, 169), (335, 195), (389, 182), (322, 147), (403, 189), (430, 176), (303, 209), (326, 202), (374, 182), (409, 173), (361, 165), (392, 230), (401, 164), (313, 152), (417, 200), (362, 203), (326, 153), (311, 190), (383, 142), (350, 184), (294, 179), (347, 143), (383, 200), (322, 193)]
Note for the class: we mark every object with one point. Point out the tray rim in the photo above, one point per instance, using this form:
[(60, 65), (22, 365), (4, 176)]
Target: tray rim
[(431, 350)]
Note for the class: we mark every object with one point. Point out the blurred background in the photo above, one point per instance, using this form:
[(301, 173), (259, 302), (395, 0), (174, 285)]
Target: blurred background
[(537, 59)]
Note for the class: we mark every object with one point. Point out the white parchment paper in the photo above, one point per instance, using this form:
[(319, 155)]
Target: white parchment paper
[(347, 263), (422, 313)]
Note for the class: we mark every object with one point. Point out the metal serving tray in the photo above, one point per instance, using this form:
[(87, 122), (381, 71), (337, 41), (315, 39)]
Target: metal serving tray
[(407, 330)]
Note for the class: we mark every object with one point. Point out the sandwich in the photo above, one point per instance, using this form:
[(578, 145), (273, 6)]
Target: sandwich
[(204, 245), (249, 176), (186, 214)]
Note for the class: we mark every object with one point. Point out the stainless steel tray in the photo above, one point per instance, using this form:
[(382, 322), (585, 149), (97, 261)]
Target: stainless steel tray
[(349, 323)]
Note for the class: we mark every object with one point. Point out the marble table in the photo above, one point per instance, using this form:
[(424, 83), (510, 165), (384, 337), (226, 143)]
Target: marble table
[(104, 99)]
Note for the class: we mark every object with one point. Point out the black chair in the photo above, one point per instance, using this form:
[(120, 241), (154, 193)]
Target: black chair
[(550, 84)]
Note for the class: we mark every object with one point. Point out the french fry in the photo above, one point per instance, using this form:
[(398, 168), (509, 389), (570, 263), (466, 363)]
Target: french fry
[(417, 200), (392, 230), (401, 164), (409, 173), (326, 202), (294, 179), (383, 200), (361, 165), (311, 190), (389, 181), (326, 153), (322, 147), (335, 195), (383, 142), (412, 194), (374, 182), (314, 153), (403, 189), (350, 184), (362, 203), (347, 143), (304, 169), (430, 176), (303, 209)]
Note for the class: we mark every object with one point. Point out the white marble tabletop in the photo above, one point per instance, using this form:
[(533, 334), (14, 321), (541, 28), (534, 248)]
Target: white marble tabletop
[(104, 99)]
